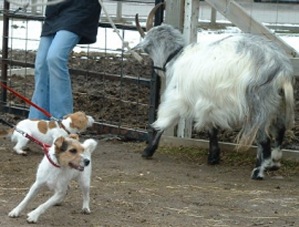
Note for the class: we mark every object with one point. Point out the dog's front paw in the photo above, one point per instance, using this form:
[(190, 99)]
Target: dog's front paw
[(20, 152), (86, 210), (32, 217), (14, 213)]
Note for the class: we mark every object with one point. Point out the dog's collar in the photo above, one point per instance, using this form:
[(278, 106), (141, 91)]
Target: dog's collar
[(63, 127), (46, 152)]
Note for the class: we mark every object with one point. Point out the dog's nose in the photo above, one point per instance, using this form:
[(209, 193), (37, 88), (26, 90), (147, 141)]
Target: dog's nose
[(86, 162)]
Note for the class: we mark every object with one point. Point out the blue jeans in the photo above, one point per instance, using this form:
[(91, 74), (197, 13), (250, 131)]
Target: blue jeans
[(53, 89)]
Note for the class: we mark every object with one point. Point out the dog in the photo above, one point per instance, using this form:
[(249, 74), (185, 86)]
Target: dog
[(74, 160), (47, 131)]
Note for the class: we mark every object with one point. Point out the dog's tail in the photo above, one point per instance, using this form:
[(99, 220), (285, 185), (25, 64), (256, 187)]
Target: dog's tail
[(89, 146), (6, 132)]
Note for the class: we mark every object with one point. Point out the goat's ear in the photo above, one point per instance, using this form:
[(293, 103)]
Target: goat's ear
[(137, 47), (141, 46)]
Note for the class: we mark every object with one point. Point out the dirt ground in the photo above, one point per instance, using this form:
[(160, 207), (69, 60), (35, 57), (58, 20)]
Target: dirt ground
[(168, 190)]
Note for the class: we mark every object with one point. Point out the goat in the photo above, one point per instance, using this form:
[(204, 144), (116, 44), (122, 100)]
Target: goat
[(242, 81)]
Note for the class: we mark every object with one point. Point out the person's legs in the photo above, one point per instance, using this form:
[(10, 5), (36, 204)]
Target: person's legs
[(60, 89), (41, 76)]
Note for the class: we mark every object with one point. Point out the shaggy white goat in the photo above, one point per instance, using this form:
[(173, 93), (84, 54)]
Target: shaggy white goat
[(242, 81)]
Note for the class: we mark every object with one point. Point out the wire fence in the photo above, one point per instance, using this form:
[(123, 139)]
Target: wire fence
[(108, 83)]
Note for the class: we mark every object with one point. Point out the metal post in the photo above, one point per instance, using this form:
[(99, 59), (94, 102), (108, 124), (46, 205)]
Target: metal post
[(155, 82), (159, 14), (4, 58)]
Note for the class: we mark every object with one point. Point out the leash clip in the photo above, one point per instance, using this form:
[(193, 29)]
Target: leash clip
[(55, 119)]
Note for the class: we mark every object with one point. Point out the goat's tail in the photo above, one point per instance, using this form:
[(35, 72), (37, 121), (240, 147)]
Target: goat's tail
[(288, 91), (264, 111), (245, 139)]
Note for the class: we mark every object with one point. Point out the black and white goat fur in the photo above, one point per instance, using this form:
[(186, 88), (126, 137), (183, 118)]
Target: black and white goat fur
[(242, 81)]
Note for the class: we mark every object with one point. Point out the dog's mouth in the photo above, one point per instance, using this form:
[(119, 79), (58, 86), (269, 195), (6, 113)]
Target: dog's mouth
[(77, 167)]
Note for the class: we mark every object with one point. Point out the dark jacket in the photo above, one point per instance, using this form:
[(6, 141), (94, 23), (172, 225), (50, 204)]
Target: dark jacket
[(77, 16)]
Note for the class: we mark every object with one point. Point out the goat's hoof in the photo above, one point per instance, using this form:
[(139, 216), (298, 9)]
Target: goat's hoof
[(213, 161), (147, 153), (256, 174), (146, 156)]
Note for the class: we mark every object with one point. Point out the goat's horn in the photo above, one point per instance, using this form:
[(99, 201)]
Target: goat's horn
[(151, 15), (139, 28)]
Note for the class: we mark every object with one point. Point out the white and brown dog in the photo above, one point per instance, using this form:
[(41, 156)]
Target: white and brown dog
[(46, 131), (74, 160)]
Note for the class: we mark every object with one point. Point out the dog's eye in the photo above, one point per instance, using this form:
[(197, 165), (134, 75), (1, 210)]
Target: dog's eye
[(73, 151)]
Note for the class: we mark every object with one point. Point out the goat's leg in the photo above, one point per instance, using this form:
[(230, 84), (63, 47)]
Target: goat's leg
[(277, 131), (168, 114), (153, 145), (263, 157), (267, 158), (214, 150)]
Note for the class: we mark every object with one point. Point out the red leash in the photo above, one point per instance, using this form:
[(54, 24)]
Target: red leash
[(43, 145), (46, 113)]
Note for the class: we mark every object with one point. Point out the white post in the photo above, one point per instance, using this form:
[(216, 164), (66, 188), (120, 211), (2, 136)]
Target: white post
[(213, 16), (119, 11), (190, 32), (174, 15), (33, 8), (191, 20)]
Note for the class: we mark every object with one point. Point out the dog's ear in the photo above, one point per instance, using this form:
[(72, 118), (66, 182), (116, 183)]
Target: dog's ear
[(74, 136), (61, 144)]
